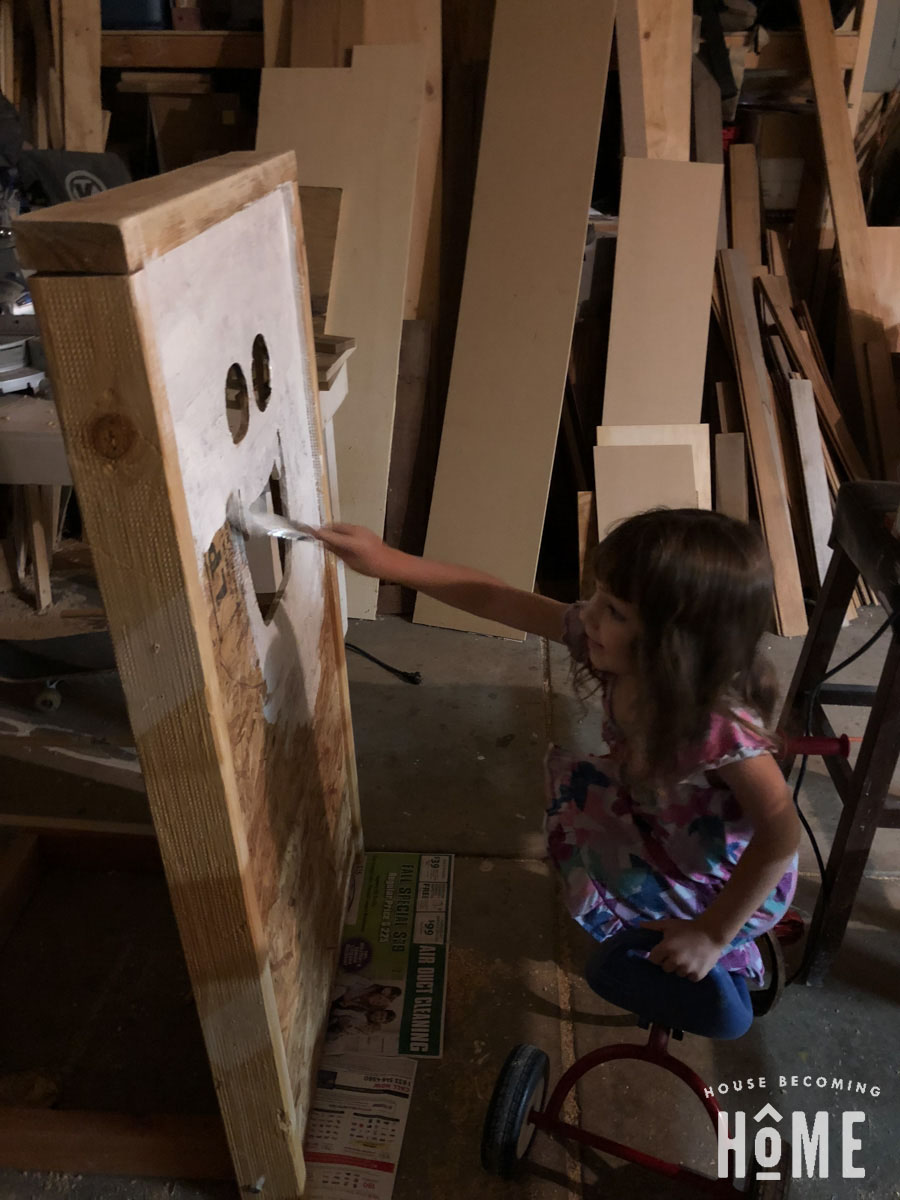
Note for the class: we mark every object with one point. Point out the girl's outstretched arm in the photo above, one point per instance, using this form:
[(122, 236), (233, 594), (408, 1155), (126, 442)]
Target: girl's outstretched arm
[(692, 948), (462, 587)]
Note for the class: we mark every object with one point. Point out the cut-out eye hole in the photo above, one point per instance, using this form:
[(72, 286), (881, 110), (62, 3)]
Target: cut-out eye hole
[(268, 558), (262, 379), (237, 403)]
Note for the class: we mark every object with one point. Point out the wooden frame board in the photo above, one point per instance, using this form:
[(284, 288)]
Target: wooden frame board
[(654, 43), (765, 450), (707, 125), (695, 436), (241, 716), (633, 479), (665, 259), (357, 128), (523, 270), (873, 366)]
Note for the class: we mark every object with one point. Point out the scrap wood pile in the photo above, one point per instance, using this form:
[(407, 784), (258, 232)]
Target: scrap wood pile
[(790, 389)]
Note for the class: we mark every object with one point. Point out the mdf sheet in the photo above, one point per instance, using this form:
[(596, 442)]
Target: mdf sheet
[(544, 102), (357, 128), (662, 289)]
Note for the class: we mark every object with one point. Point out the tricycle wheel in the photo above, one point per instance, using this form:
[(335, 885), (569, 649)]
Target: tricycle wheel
[(520, 1088)]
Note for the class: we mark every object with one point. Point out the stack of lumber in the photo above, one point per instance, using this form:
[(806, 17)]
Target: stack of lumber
[(719, 385)]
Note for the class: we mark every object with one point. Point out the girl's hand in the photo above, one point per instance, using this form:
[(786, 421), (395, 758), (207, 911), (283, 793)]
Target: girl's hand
[(359, 548), (686, 948)]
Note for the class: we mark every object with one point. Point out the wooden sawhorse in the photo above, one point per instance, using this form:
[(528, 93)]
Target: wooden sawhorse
[(863, 544)]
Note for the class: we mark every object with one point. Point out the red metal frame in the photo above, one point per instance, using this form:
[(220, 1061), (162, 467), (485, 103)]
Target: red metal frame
[(656, 1052)]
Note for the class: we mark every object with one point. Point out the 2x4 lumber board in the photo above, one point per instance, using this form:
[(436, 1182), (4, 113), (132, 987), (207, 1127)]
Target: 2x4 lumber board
[(873, 367), (182, 51), (633, 479), (587, 542), (82, 112), (746, 220), (765, 451), (812, 468), (778, 299), (732, 493), (243, 725), (662, 288), (547, 73), (115, 234), (357, 128), (654, 42), (695, 436), (183, 1146)]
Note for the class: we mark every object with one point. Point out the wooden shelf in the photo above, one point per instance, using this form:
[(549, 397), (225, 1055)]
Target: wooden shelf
[(181, 51)]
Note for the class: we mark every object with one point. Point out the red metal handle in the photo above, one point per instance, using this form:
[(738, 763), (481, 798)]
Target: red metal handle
[(826, 746)]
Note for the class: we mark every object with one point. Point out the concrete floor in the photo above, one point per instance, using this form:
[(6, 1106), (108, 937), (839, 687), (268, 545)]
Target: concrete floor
[(455, 765)]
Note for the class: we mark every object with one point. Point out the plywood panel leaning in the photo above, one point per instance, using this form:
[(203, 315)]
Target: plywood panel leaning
[(357, 128), (665, 259), (543, 106), (174, 400)]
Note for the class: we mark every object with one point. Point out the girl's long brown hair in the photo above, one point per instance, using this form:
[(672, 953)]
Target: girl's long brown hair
[(702, 586)]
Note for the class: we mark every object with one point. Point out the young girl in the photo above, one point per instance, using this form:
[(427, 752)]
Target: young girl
[(683, 822)]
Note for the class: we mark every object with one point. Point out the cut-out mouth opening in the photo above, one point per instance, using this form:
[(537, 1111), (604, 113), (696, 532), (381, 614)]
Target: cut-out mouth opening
[(268, 558)]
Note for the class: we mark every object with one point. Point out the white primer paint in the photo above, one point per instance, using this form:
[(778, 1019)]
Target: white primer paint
[(206, 301)]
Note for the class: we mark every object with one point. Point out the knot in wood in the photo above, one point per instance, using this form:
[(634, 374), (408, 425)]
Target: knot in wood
[(112, 435)]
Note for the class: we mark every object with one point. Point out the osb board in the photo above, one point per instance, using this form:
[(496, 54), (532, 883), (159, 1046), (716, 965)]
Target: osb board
[(633, 479), (653, 45), (523, 269), (665, 257), (695, 436), (357, 128), (242, 725)]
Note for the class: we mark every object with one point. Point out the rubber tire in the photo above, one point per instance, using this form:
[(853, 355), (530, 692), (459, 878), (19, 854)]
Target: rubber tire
[(525, 1073), (765, 999)]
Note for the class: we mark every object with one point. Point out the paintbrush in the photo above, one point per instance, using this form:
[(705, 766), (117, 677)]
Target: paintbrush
[(263, 524)]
